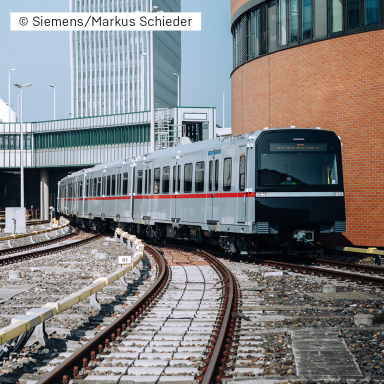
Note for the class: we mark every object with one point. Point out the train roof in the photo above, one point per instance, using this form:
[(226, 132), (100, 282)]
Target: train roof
[(189, 148)]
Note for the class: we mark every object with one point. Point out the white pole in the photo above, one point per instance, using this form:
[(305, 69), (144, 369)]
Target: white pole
[(223, 110), (21, 151), (18, 107), (9, 96), (178, 91), (142, 83), (152, 97), (54, 103), (142, 80), (21, 143), (9, 93)]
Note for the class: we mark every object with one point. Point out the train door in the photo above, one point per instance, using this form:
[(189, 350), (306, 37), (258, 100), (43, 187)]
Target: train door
[(86, 194), (81, 196), (75, 192), (176, 185), (119, 201), (241, 199), (132, 190), (140, 197), (65, 200), (125, 202), (213, 203), (147, 189)]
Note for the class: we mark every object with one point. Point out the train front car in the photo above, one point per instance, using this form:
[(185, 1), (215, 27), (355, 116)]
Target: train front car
[(299, 186)]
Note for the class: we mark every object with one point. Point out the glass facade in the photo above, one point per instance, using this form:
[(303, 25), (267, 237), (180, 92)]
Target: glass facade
[(280, 24), (110, 71), (97, 137)]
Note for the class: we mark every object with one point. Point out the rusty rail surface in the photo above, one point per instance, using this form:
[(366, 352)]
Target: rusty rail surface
[(44, 252), (325, 272), (218, 357), (320, 271), (71, 366), (350, 266), (39, 244)]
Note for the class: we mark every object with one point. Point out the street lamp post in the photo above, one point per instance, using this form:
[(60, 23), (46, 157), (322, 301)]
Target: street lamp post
[(9, 92), (154, 10), (178, 89), (142, 80), (21, 143), (54, 101), (223, 110), (18, 107)]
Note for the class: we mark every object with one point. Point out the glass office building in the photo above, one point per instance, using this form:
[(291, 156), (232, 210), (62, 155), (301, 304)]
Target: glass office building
[(110, 69)]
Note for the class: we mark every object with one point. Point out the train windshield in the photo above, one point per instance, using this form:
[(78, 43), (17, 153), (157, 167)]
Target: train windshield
[(298, 160)]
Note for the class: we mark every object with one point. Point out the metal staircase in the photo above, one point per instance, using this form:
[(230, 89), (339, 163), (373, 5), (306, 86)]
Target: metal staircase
[(166, 134)]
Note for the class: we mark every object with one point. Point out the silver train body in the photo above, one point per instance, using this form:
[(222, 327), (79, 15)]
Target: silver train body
[(280, 186)]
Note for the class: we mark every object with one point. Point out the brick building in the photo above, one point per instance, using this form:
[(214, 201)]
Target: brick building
[(318, 63)]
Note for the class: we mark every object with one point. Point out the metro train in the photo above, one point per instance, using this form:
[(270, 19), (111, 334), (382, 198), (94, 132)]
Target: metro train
[(280, 187)]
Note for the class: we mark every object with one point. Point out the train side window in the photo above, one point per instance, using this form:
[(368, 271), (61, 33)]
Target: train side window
[(156, 182), (81, 189), (210, 184), (242, 173), (113, 185), (109, 185), (104, 185), (188, 170), (87, 188), (178, 177), (139, 182), (99, 186), (118, 190), (227, 174), (125, 183), (146, 182), (149, 180), (90, 187), (216, 175), (165, 179), (174, 179), (199, 177)]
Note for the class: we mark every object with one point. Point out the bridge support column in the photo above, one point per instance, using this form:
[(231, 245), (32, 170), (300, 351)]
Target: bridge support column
[(44, 193)]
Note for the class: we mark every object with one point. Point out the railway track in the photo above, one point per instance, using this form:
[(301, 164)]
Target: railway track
[(40, 244), (179, 331), (304, 265), (213, 320), (84, 239), (30, 223)]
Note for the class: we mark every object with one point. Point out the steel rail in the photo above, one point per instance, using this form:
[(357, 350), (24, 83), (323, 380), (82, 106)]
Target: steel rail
[(351, 266), (8, 251), (30, 223), (44, 252), (80, 358), (325, 272), (215, 365)]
